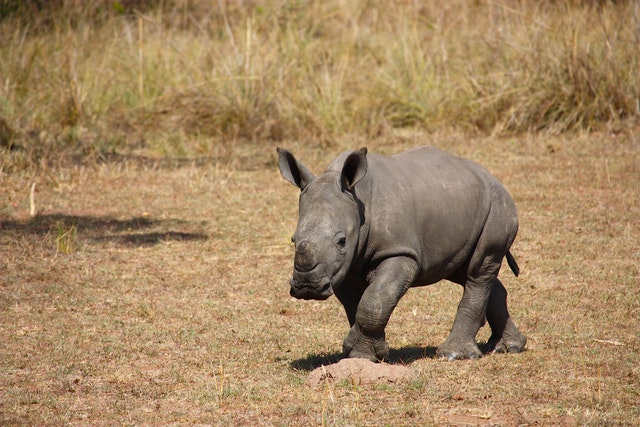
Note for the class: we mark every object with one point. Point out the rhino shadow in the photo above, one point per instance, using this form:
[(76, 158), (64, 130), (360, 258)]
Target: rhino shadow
[(136, 231), (403, 356), (43, 223), (150, 239)]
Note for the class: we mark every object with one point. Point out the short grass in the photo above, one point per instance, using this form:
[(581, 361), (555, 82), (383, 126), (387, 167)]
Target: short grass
[(170, 301)]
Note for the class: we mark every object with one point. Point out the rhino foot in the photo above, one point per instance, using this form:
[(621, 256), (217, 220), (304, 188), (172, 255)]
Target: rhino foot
[(506, 340), (458, 351), (507, 344), (359, 345)]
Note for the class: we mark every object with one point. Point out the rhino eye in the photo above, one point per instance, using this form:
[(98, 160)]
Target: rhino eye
[(341, 240)]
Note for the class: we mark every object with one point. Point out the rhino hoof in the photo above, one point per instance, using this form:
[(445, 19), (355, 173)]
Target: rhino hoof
[(500, 345), (469, 351), (376, 353), (354, 354), (449, 355), (457, 356), (512, 349), (359, 345)]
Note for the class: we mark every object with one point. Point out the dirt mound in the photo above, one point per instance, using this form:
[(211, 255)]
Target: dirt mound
[(360, 371)]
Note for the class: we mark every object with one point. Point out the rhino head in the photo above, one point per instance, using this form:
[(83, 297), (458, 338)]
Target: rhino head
[(329, 220)]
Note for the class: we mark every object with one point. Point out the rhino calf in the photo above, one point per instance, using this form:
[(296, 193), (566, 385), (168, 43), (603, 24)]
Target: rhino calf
[(371, 227)]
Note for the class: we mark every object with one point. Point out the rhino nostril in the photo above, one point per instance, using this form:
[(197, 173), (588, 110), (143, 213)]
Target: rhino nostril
[(303, 246)]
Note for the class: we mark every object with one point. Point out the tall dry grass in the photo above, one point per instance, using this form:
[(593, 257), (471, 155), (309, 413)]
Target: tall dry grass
[(184, 78)]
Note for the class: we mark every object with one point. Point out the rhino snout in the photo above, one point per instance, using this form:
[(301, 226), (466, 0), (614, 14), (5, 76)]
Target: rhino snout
[(305, 259)]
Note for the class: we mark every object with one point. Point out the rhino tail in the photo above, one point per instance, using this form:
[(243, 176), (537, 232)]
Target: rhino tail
[(513, 264)]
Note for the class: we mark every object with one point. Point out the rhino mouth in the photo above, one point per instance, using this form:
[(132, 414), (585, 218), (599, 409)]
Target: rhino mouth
[(310, 285), (309, 291)]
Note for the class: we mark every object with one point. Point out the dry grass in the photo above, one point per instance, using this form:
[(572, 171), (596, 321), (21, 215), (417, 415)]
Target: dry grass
[(188, 78), (173, 306)]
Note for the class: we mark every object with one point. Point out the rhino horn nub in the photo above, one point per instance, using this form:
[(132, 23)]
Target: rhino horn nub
[(305, 256)]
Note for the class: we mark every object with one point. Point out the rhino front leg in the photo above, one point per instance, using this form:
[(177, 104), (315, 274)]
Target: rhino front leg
[(505, 336), (349, 296), (366, 339)]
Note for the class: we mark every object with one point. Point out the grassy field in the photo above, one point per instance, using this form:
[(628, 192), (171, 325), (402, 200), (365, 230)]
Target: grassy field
[(143, 279), (156, 293)]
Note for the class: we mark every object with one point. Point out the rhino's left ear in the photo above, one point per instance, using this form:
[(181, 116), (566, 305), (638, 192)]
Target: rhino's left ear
[(355, 168)]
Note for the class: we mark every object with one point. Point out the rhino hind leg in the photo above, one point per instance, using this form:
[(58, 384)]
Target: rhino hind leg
[(505, 336), (479, 278), (471, 314)]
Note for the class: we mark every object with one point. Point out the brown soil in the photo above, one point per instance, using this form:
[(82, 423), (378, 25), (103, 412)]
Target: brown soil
[(360, 372)]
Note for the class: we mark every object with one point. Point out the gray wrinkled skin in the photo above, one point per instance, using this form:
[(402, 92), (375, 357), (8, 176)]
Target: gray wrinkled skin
[(371, 227)]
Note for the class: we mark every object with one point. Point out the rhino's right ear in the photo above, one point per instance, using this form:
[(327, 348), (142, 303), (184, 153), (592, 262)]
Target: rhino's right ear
[(355, 168), (292, 170)]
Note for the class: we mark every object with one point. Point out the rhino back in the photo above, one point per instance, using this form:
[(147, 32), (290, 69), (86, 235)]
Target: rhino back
[(426, 204)]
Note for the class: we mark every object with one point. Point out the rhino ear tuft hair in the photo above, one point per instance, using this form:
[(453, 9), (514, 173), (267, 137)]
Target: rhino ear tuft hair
[(292, 170), (355, 168)]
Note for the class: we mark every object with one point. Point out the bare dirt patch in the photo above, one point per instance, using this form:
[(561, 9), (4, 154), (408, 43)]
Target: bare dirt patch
[(361, 372)]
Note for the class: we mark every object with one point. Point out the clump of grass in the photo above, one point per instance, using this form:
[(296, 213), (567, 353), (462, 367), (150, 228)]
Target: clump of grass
[(106, 76), (65, 238), (221, 385)]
